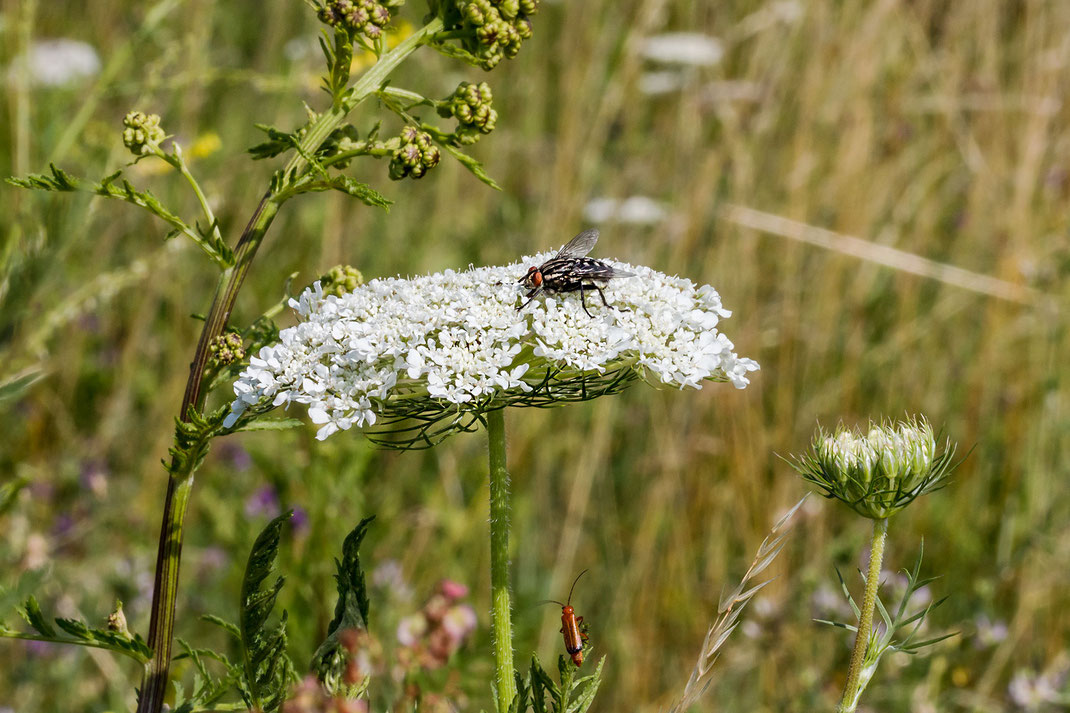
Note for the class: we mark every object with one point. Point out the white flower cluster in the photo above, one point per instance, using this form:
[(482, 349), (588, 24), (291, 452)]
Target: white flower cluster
[(454, 341)]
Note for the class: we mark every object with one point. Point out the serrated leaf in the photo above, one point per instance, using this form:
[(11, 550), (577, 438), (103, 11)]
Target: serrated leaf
[(31, 612), (267, 670), (58, 181), (350, 610), (225, 625), (278, 142), (361, 191), (586, 697)]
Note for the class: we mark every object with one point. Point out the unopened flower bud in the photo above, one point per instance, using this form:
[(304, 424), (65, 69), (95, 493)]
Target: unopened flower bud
[(878, 473), (415, 156), (117, 620), (341, 279), (142, 133), (227, 348)]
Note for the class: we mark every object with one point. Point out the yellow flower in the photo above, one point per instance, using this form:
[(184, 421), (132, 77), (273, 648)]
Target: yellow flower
[(205, 145)]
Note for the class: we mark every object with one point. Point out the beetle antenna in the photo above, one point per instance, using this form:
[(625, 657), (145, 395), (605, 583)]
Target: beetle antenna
[(574, 585), (549, 601)]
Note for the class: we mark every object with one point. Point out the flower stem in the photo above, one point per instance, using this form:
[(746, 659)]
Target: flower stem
[(852, 690), (500, 612), (180, 483)]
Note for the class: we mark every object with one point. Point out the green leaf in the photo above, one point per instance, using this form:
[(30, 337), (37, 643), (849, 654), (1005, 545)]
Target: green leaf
[(109, 187), (207, 689), (361, 191), (58, 181), (79, 633), (590, 686), (117, 641), (540, 684), (278, 142), (268, 670), (280, 424), (350, 610), (471, 164), (31, 612), (455, 52), (16, 385), (225, 625), (349, 578), (10, 490)]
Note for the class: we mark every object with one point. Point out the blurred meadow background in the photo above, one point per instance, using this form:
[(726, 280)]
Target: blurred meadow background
[(880, 192)]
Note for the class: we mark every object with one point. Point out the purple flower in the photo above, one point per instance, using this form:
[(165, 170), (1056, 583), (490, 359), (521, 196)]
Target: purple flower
[(264, 502), (237, 457), (299, 519)]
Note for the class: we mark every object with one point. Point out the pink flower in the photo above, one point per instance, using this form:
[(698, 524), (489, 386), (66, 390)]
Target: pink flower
[(459, 622), (452, 590), (411, 629)]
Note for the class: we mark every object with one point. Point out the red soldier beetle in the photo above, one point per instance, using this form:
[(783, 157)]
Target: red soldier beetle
[(574, 634)]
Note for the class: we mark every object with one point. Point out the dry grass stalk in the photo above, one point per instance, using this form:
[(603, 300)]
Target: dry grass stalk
[(729, 609)]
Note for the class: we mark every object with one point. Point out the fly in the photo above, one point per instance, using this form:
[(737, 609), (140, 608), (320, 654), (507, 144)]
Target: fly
[(572, 271)]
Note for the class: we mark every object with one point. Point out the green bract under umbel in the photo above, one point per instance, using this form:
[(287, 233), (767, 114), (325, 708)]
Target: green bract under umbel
[(878, 473)]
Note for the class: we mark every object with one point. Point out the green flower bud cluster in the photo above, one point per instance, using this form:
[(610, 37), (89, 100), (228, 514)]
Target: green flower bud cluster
[(470, 104), (227, 348), (341, 279), (499, 27), (367, 17), (878, 473), (142, 134), (415, 155)]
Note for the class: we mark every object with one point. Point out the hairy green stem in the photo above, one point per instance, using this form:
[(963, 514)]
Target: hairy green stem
[(852, 690), (500, 611), (180, 483)]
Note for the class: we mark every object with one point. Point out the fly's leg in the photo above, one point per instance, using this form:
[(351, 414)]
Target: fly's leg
[(603, 296), (600, 294), (583, 299), (531, 298)]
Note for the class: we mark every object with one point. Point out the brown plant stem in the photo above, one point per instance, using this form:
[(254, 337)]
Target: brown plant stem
[(180, 483)]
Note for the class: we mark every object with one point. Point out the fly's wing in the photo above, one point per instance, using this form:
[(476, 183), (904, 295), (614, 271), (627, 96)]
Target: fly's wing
[(591, 269), (608, 272), (579, 245)]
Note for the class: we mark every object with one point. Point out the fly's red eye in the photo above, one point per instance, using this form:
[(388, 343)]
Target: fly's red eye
[(536, 276)]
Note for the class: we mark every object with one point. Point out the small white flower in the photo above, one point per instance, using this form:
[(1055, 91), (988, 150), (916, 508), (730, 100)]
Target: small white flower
[(443, 348), (636, 210), (688, 48), (54, 63), (662, 82)]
